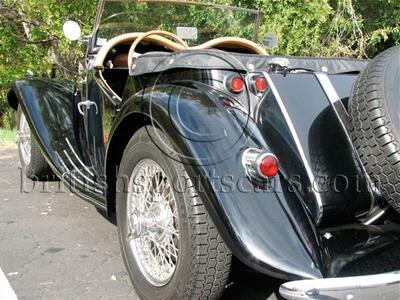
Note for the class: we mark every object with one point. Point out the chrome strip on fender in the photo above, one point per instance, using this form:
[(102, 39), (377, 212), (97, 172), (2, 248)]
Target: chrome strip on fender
[(76, 168), (66, 171), (78, 158), (298, 145), (71, 187), (84, 176), (343, 116)]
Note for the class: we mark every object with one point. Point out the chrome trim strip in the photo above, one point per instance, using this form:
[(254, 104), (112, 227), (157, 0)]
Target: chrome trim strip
[(342, 115), (328, 88), (63, 164), (69, 173), (370, 287), (83, 184), (298, 145), (88, 199), (253, 100), (77, 157), (83, 175), (99, 13), (374, 218), (74, 189), (76, 168)]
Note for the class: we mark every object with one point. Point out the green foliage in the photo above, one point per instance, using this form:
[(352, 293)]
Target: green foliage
[(31, 40), (31, 32), (381, 24), (298, 24), (7, 137)]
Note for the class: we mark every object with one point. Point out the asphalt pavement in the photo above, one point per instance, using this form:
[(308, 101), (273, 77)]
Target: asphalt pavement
[(54, 245)]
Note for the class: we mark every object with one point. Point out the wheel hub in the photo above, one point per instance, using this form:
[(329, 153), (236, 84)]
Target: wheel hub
[(153, 233), (154, 222)]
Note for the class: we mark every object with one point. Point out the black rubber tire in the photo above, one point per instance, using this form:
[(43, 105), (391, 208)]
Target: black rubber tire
[(38, 169), (375, 125), (204, 260)]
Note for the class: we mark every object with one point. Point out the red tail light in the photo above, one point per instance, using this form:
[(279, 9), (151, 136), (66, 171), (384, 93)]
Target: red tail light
[(236, 84), (260, 165), (261, 84), (268, 165)]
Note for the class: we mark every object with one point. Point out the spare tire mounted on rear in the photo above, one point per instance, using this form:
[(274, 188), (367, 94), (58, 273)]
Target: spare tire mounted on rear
[(374, 111)]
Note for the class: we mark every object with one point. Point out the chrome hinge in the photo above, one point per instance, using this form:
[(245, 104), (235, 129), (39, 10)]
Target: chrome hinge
[(87, 104)]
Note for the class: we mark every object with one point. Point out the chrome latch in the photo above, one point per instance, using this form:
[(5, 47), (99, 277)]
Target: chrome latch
[(87, 104), (278, 64)]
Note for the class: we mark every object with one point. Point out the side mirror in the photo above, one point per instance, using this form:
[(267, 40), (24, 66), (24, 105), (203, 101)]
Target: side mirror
[(72, 30)]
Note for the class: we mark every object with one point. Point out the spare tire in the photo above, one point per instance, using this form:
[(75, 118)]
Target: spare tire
[(374, 110)]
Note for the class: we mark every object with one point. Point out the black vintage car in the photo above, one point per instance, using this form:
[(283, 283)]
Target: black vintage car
[(206, 148)]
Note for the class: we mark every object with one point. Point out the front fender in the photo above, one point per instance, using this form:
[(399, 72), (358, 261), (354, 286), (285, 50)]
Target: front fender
[(50, 109), (47, 105), (269, 231)]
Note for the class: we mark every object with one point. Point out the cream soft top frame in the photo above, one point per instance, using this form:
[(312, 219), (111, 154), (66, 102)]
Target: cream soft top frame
[(156, 38)]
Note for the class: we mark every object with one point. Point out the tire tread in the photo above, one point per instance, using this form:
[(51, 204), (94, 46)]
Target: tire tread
[(211, 265), (372, 130), (211, 258)]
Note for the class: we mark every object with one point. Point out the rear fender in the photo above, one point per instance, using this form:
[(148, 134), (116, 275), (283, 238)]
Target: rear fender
[(269, 231)]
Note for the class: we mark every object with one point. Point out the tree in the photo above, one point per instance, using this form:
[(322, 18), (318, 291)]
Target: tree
[(31, 32), (31, 40)]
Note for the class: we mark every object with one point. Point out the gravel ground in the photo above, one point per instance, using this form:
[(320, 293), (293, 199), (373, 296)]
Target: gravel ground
[(56, 246)]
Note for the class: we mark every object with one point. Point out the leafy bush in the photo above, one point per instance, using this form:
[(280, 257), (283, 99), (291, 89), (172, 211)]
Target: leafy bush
[(31, 36), (31, 41), (7, 137)]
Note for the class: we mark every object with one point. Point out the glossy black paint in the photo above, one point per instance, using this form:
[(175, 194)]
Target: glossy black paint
[(358, 249), (271, 228), (50, 107), (336, 175), (210, 139)]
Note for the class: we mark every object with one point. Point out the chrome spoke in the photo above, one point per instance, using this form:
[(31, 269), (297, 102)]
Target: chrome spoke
[(153, 233), (170, 231), (24, 140)]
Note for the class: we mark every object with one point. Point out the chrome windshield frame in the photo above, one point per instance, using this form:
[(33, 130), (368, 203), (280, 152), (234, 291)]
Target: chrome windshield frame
[(101, 5)]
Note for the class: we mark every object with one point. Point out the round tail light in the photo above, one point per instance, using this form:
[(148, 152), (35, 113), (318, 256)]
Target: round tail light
[(268, 165), (236, 84), (260, 165), (261, 84)]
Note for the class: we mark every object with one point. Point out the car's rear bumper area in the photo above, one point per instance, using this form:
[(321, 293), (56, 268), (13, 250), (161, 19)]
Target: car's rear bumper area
[(372, 287)]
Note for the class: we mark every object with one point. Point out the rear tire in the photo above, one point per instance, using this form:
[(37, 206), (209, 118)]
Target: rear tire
[(375, 122), (32, 160), (202, 265)]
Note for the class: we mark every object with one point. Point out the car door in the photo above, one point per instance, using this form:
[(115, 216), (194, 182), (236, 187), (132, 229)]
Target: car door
[(89, 111)]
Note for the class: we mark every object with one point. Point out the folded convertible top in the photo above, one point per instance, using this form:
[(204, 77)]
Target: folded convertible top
[(217, 59)]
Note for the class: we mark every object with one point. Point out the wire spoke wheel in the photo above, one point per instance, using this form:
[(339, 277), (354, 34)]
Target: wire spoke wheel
[(24, 140), (153, 222), (170, 246), (33, 163)]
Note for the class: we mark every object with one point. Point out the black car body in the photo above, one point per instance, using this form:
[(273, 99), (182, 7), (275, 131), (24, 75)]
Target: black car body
[(319, 217)]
